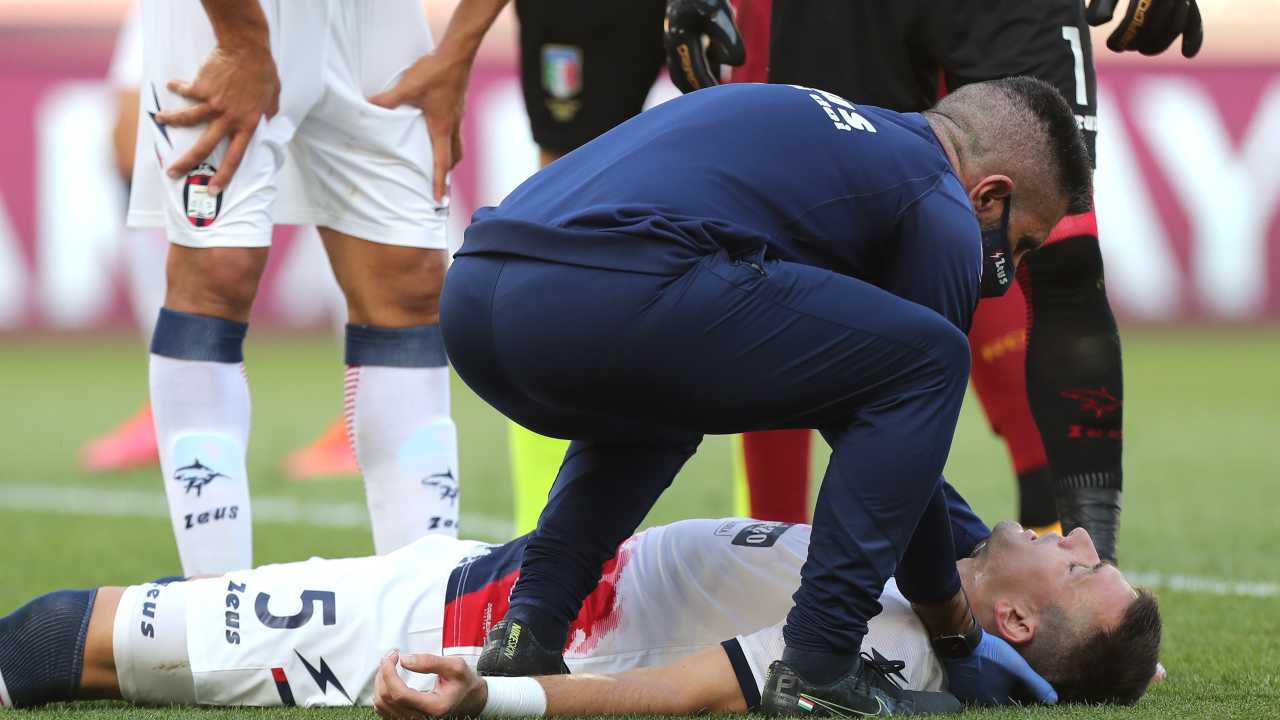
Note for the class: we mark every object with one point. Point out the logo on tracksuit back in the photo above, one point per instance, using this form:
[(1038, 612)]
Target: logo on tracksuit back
[(202, 208), (196, 477)]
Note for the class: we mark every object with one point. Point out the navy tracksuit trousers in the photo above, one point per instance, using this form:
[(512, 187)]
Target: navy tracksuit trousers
[(635, 368)]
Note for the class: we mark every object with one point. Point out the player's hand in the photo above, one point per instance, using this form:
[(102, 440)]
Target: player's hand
[(994, 673), (692, 64), (459, 691), (235, 87), (437, 85), (1151, 26)]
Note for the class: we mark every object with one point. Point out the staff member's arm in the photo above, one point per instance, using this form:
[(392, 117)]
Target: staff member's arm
[(704, 682)]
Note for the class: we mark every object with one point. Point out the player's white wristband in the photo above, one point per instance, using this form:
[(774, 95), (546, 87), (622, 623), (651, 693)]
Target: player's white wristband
[(514, 697)]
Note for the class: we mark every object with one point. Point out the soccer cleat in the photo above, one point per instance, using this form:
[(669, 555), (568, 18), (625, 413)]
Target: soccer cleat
[(511, 650), (329, 455), (130, 446), (867, 690)]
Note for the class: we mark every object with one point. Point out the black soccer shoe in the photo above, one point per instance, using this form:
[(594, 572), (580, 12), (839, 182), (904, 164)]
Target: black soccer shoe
[(867, 690), (511, 650)]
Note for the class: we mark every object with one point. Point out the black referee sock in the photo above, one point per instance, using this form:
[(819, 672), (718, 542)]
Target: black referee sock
[(42, 647)]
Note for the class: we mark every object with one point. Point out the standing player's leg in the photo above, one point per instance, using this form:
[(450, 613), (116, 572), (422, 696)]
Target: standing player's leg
[(219, 248), (397, 387), (200, 395), (776, 464), (1074, 379), (584, 68), (363, 175), (998, 345)]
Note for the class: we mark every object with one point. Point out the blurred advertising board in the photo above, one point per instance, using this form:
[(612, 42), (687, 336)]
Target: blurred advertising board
[(1187, 186)]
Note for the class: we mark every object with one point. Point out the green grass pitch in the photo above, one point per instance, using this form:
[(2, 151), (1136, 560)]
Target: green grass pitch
[(1202, 519)]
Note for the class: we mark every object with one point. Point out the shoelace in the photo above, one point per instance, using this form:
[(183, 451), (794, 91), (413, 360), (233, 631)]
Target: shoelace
[(886, 668)]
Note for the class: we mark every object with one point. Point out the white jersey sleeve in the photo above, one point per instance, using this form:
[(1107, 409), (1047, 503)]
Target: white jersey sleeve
[(896, 633)]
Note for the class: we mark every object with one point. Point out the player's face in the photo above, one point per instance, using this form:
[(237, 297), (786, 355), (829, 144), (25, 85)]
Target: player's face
[(1037, 572)]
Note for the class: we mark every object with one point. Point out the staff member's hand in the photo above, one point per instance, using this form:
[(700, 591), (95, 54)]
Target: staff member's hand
[(235, 87), (437, 85), (994, 674), (459, 691), (1151, 26)]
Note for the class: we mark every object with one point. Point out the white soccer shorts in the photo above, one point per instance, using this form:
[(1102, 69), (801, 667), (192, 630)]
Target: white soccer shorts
[(306, 634), (328, 158)]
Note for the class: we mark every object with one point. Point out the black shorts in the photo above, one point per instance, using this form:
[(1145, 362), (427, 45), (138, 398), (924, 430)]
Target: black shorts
[(586, 65), (892, 53)]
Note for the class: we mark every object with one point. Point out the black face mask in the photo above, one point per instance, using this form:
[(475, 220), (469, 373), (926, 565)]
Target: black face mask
[(997, 257)]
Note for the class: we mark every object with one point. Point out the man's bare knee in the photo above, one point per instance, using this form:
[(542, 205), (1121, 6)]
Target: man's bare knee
[(218, 282), (400, 289)]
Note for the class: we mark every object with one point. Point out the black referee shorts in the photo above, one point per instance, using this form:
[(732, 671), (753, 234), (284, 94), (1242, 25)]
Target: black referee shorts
[(586, 65)]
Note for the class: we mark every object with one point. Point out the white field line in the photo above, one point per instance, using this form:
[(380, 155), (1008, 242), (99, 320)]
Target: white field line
[(96, 501), (1200, 585), (71, 500)]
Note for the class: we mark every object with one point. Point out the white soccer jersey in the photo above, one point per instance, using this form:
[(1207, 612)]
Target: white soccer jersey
[(334, 159), (313, 633)]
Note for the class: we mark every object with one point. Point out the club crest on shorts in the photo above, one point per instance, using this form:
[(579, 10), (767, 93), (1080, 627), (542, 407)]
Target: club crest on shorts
[(562, 79), (202, 208)]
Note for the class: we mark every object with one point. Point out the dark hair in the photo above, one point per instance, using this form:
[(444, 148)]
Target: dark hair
[(1066, 142), (1111, 666)]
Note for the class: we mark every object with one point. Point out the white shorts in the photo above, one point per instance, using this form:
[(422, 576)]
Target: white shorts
[(306, 634), (328, 158)]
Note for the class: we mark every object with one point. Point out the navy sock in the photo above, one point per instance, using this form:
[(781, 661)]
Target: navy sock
[(818, 666), (42, 647), (549, 632), (184, 336)]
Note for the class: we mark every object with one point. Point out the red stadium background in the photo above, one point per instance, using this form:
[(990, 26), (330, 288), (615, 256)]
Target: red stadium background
[(1187, 186)]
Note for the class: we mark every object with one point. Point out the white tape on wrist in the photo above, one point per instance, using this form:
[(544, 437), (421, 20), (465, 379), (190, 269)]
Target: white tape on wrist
[(514, 697)]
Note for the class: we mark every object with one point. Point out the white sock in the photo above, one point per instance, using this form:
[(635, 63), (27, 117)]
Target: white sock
[(202, 426), (407, 447)]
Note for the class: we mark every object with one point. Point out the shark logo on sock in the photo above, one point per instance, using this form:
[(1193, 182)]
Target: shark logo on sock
[(196, 476), (445, 483)]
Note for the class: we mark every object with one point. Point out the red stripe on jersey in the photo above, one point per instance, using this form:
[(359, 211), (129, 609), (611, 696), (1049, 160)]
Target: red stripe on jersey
[(468, 618)]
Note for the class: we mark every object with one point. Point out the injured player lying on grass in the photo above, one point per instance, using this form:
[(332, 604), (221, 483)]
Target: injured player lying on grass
[(687, 617)]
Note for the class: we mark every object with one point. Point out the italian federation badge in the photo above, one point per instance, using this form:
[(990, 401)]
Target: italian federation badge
[(562, 79), (202, 208)]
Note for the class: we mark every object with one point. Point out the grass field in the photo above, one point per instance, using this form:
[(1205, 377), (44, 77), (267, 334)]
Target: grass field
[(1202, 520)]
